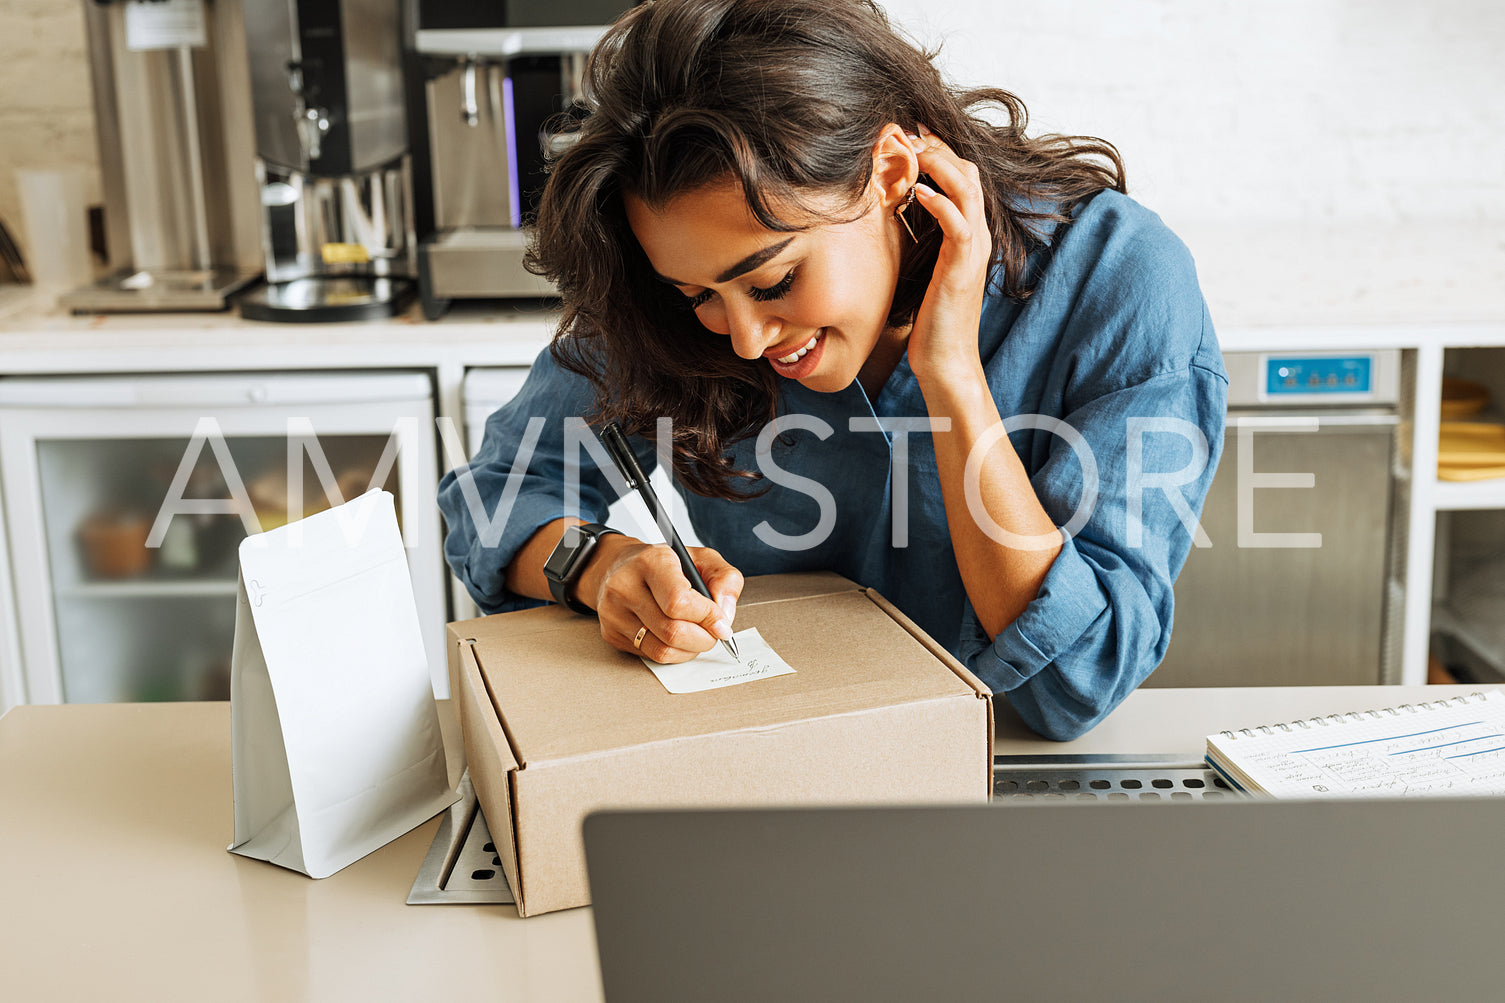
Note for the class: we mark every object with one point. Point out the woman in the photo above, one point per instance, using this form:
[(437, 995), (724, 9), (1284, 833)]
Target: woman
[(781, 229)]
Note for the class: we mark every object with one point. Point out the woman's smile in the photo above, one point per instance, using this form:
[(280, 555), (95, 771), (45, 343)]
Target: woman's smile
[(802, 361)]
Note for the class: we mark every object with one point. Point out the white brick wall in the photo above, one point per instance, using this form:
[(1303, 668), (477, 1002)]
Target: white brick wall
[(1372, 110), (1225, 110)]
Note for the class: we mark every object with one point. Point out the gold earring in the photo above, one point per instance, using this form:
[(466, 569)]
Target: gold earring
[(909, 198)]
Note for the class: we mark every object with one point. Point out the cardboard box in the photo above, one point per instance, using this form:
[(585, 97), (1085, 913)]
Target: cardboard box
[(558, 724)]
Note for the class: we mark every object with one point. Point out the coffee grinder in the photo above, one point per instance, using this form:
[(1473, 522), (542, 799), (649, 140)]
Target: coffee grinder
[(332, 159)]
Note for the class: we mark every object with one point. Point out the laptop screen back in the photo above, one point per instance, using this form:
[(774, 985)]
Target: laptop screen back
[(1360, 900)]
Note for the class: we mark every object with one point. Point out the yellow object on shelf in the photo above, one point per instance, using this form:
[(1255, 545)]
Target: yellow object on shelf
[(1462, 398), (1470, 473), (1470, 451)]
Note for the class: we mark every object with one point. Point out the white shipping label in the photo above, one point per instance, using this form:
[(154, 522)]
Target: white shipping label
[(716, 668), (165, 24)]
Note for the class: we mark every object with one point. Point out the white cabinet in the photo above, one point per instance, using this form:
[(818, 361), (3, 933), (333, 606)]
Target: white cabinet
[(125, 499)]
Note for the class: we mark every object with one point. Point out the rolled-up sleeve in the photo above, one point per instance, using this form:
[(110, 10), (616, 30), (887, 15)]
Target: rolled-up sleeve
[(1102, 618), (517, 482)]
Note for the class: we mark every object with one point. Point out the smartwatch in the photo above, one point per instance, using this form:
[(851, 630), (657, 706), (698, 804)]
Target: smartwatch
[(568, 560)]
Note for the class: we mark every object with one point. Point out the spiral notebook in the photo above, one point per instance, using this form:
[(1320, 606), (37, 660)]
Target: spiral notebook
[(1451, 747)]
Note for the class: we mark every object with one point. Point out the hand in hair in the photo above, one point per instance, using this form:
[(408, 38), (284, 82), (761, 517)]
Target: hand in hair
[(943, 342), (638, 585)]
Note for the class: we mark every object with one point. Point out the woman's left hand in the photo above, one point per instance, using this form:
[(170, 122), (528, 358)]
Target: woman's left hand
[(943, 343)]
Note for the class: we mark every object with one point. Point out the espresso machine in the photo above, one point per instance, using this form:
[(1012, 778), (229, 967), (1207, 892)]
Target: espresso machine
[(494, 76), (174, 130), (332, 159)]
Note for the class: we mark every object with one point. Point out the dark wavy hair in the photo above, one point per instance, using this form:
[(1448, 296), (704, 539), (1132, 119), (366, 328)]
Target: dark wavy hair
[(786, 98)]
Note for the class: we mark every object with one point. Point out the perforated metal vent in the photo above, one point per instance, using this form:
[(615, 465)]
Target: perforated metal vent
[(462, 865), (1083, 778)]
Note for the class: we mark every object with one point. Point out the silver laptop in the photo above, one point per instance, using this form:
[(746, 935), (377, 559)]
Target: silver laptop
[(1351, 900)]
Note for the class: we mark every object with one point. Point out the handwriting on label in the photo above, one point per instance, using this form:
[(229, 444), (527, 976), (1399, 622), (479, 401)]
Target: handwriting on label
[(716, 668)]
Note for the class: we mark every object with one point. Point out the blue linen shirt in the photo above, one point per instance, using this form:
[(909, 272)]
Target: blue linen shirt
[(1115, 341)]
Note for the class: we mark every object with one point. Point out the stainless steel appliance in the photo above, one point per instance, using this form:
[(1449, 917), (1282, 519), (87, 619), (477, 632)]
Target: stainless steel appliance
[(493, 79), (174, 131), (332, 159), (1302, 584)]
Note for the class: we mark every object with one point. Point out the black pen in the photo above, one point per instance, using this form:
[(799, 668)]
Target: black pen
[(627, 463)]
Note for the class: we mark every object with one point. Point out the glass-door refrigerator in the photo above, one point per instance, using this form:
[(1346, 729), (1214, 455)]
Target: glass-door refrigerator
[(126, 499)]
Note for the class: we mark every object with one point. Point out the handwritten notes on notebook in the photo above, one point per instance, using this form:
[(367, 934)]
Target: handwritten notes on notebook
[(716, 668), (1445, 747)]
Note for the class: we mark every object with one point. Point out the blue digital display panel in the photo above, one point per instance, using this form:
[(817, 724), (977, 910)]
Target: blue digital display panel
[(1322, 374)]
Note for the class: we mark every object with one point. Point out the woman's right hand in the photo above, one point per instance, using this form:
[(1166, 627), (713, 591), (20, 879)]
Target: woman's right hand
[(633, 585)]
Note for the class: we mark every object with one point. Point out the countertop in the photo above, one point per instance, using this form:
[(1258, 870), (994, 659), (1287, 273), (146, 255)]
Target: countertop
[(114, 820), (1269, 286), (36, 339)]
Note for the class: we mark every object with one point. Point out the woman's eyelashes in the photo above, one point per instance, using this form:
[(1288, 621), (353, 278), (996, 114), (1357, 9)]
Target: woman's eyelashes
[(773, 292)]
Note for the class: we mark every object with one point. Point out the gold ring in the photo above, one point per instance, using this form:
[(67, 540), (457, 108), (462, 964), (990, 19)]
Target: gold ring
[(637, 642)]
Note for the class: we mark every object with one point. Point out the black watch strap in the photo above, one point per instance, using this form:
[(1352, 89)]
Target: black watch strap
[(568, 560)]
